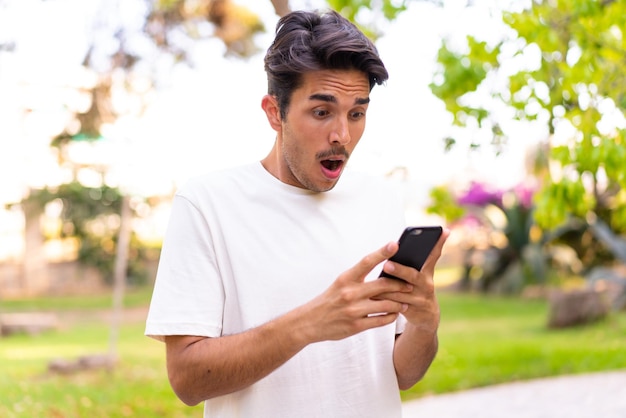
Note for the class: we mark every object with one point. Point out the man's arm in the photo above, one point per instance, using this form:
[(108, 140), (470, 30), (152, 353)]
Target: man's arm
[(416, 347), (413, 353), (200, 368)]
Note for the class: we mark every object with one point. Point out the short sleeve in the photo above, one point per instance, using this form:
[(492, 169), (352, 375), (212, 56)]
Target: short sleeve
[(188, 296)]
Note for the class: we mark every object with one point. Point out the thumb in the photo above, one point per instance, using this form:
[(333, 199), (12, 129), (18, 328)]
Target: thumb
[(367, 263)]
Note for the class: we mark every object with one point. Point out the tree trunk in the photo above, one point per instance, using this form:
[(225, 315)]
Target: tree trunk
[(119, 274), (281, 7), (34, 278)]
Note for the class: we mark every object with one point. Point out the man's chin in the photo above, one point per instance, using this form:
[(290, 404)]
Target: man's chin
[(320, 187), (327, 186)]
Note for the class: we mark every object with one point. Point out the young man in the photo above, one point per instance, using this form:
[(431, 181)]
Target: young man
[(268, 294)]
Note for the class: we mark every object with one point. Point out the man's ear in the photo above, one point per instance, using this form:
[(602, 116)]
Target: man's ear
[(272, 111)]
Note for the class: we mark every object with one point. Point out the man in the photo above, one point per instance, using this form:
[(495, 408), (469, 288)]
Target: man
[(268, 294)]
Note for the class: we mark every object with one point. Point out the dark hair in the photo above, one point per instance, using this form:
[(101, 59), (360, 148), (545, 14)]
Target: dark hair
[(313, 41)]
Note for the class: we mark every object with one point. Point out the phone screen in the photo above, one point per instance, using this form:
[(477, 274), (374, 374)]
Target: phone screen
[(416, 244)]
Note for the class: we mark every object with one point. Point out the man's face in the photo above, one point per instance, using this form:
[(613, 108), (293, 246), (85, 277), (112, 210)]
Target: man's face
[(324, 122)]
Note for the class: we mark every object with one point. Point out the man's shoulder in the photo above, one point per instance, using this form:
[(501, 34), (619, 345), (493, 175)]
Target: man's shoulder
[(220, 178), (374, 182)]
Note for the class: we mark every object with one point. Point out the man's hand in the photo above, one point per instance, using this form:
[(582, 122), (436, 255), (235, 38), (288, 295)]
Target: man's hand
[(416, 348), (423, 309), (350, 305)]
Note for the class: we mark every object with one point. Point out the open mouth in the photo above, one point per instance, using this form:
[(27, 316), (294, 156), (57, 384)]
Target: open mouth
[(331, 168), (332, 162), (332, 165)]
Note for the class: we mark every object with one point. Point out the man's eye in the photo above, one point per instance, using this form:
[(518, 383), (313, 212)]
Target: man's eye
[(320, 113), (357, 115)]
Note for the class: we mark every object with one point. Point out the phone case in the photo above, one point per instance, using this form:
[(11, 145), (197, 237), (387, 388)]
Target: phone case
[(416, 244)]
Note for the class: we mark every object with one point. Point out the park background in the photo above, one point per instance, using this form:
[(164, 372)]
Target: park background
[(92, 150)]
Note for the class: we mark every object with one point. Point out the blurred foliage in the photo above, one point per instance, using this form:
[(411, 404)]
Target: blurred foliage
[(235, 25), (502, 247), (572, 57), (444, 204), (462, 75), (559, 64), (91, 214), (353, 10), (88, 123)]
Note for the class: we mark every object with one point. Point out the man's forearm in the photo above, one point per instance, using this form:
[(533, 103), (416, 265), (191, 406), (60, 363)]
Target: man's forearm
[(202, 368), (413, 353)]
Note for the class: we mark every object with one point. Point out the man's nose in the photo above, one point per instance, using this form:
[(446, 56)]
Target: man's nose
[(340, 134)]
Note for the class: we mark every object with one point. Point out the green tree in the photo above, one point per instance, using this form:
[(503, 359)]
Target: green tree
[(559, 63)]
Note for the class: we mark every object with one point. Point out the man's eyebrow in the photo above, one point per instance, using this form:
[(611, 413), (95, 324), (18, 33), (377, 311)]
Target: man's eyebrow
[(332, 99), (323, 97)]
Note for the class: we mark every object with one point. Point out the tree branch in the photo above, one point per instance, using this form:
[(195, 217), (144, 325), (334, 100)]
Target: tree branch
[(281, 7)]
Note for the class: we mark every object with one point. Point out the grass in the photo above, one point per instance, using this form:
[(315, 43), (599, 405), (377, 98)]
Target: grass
[(483, 341), (491, 340), (134, 297), (137, 387)]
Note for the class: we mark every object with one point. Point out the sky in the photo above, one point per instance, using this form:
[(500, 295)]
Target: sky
[(210, 118)]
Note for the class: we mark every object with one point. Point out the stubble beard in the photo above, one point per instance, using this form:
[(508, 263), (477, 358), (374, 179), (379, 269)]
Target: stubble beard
[(292, 156)]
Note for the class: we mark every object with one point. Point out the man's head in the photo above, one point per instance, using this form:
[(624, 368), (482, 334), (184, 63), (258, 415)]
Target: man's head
[(309, 41), (321, 70)]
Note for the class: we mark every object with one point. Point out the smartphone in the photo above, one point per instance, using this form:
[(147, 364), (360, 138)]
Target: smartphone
[(416, 244)]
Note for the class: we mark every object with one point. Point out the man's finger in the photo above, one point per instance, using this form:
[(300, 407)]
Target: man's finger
[(367, 263), (432, 259)]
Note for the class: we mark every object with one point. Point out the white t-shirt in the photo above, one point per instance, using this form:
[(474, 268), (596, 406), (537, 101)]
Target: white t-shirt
[(242, 248)]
